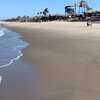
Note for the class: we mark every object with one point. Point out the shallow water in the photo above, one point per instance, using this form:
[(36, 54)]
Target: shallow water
[(10, 47)]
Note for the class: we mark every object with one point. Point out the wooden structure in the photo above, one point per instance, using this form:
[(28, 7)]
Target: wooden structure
[(82, 7)]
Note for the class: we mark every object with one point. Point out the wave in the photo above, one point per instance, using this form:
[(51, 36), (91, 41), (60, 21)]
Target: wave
[(14, 45), (18, 57), (1, 33), (0, 79)]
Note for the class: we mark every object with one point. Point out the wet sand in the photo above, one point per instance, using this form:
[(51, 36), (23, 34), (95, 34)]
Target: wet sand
[(66, 60)]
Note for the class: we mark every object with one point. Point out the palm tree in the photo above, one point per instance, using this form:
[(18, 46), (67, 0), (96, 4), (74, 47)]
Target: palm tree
[(46, 11), (19, 17), (38, 14)]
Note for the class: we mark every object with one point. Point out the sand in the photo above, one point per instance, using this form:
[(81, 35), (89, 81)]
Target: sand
[(65, 57)]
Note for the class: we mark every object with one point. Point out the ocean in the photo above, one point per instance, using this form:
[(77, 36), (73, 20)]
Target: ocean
[(11, 46)]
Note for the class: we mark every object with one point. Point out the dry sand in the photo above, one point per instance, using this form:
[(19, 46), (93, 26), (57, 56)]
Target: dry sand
[(66, 57)]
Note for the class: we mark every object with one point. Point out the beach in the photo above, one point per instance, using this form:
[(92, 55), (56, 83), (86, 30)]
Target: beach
[(62, 62)]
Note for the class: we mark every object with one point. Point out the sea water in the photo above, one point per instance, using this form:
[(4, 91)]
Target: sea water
[(11, 45)]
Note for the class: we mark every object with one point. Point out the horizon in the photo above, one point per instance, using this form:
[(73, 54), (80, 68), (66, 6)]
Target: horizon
[(31, 7)]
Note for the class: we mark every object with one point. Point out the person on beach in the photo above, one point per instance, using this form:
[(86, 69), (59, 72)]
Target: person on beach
[(89, 22)]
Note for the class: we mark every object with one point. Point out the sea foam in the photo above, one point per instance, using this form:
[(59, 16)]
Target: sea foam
[(0, 79), (1, 33)]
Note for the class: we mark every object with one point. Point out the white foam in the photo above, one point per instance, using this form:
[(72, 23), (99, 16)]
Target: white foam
[(0, 79), (1, 33), (18, 57)]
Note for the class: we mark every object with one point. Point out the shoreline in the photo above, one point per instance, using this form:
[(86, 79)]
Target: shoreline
[(66, 58)]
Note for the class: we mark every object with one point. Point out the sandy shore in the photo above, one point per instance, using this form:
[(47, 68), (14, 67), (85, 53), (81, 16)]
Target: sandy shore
[(66, 58)]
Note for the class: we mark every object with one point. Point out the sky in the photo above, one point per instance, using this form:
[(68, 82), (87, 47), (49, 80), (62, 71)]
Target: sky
[(13, 8)]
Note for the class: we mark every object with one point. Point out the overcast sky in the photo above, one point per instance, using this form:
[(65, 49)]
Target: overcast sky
[(12, 8)]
